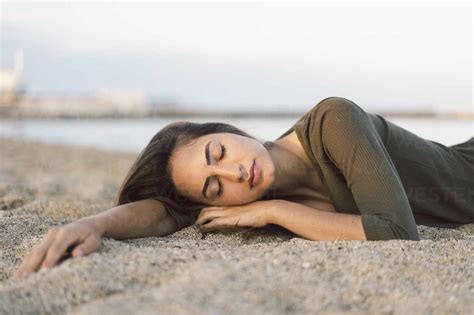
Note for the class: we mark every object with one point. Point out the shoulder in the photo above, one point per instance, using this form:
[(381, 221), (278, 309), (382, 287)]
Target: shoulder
[(336, 104), (329, 121), (338, 124), (333, 110), (334, 116)]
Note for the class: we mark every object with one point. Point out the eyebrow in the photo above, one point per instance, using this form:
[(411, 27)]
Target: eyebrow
[(208, 160)]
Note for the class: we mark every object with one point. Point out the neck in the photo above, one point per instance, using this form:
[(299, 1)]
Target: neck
[(289, 169)]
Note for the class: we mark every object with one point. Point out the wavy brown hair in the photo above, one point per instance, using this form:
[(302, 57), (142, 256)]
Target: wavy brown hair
[(150, 175)]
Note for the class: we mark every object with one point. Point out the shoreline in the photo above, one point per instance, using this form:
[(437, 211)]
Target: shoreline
[(192, 114)]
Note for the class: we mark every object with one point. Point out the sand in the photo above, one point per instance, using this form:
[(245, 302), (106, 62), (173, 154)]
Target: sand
[(42, 186)]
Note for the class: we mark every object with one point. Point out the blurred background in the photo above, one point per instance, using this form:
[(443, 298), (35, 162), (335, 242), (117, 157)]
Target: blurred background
[(110, 75)]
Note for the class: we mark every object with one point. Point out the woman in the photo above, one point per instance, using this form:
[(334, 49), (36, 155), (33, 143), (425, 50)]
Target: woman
[(337, 173)]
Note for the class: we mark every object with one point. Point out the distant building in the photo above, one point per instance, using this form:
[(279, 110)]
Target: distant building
[(11, 84), (122, 102), (103, 104)]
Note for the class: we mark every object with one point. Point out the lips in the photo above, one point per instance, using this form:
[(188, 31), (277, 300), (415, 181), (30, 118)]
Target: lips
[(251, 174)]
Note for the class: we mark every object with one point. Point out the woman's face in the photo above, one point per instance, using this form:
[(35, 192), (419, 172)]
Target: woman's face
[(226, 171)]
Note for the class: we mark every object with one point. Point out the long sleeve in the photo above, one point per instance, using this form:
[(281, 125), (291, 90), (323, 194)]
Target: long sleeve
[(352, 144)]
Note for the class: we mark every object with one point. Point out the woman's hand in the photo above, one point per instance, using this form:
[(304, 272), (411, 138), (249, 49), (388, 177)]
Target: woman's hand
[(82, 237), (230, 218)]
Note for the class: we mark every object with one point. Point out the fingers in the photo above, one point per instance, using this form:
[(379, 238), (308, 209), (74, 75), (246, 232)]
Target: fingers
[(208, 227), (90, 244), (207, 218), (61, 242), (34, 258), (208, 214), (57, 242), (215, 218), (221, 224)]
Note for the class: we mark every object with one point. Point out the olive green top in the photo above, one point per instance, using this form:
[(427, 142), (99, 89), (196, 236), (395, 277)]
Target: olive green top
[(393, 178)]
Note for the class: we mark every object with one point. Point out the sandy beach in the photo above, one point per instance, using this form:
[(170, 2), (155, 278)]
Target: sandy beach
[(273, 272)]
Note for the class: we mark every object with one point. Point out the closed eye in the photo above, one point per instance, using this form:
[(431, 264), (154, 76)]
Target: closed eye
[(223, 152), (221, 188)]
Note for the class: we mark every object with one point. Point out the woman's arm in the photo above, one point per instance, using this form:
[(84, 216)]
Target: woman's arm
[(351, 152), (132, 220), (316, 225), (307, 222)]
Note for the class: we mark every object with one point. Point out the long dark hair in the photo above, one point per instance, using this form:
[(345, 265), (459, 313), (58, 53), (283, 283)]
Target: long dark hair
[(150, 178)]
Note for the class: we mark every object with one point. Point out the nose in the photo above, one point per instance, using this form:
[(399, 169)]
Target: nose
[(234, 172)]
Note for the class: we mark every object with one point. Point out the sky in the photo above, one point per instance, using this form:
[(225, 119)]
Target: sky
[(242, 56)]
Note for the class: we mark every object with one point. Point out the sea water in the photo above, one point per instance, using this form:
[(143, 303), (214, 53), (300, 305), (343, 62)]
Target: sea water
[(134, 134)]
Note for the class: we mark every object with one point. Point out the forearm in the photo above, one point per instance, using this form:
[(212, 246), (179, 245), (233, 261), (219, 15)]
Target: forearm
[(134, 220), (316, 224)]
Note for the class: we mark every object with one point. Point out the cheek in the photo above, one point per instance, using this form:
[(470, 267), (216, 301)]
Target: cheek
[(239, 196)]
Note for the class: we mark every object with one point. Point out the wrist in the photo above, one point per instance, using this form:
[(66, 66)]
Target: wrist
[(97, 222), (273, 211)]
